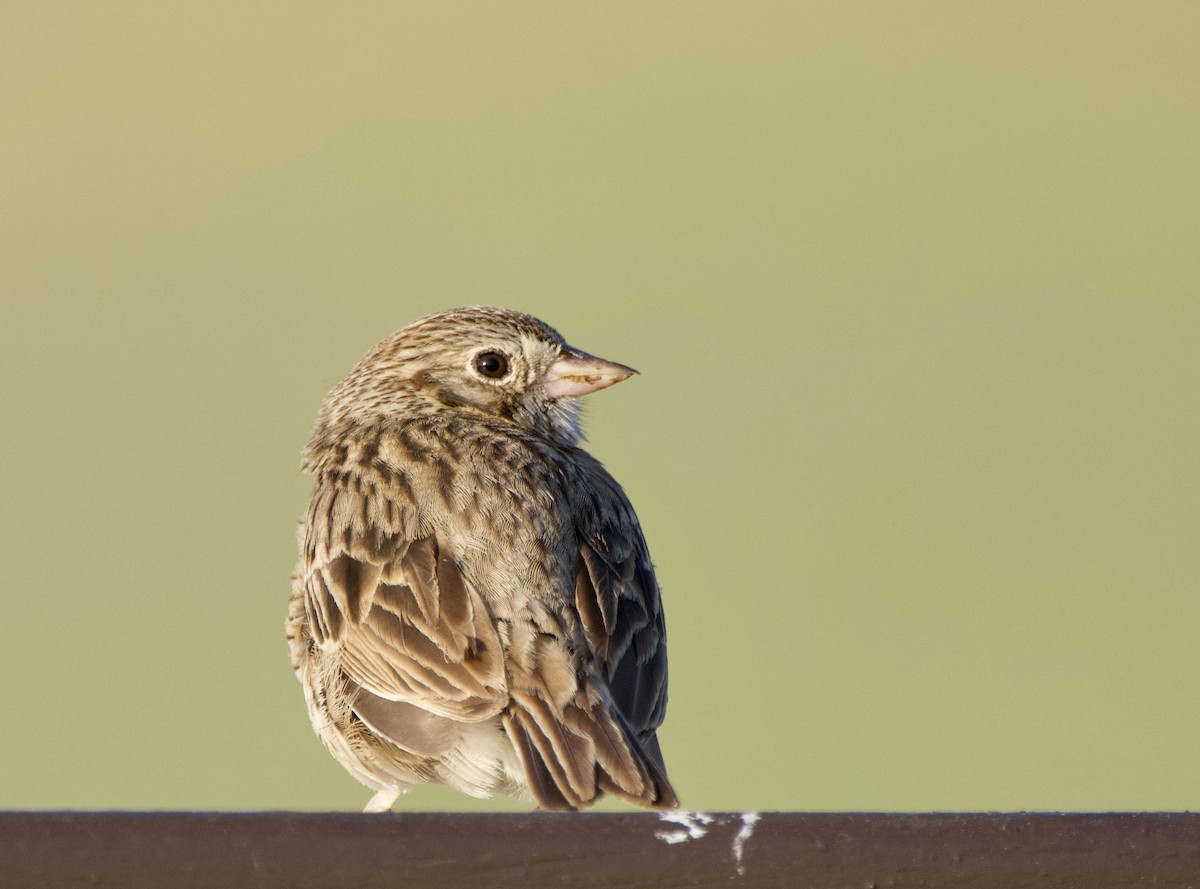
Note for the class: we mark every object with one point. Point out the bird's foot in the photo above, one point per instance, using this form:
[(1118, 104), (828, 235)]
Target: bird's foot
[(382, 801)]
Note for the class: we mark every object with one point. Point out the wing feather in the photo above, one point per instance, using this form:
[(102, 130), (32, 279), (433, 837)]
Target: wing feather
[(580, 679), (405, 622), (587, 726), (620, 607)]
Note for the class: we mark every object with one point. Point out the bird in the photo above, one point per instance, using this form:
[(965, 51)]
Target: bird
[(474, 603)]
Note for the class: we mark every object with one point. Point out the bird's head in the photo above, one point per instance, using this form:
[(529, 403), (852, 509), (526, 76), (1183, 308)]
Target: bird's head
[(479, 360)]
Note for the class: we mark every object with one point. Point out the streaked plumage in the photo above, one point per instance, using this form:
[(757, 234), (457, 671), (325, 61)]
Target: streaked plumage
[(474, 603)]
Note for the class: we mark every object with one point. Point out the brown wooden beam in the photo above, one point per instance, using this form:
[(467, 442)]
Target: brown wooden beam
[(265, 850)]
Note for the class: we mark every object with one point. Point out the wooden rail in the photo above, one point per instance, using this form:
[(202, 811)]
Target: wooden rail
[(265, 850)]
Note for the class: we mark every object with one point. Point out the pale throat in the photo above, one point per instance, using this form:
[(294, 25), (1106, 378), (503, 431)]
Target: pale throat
[(558, 419)]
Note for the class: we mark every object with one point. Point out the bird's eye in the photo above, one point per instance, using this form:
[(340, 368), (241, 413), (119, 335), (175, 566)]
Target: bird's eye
[(492, 365)]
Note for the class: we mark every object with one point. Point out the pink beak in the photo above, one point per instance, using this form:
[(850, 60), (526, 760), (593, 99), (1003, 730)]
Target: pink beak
[(578, 373)]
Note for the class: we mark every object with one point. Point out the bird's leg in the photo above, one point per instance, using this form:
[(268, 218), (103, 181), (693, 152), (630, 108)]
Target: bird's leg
[(382, 801)]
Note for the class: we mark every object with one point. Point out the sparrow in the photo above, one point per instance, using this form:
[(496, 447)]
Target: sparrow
[(474, 603)]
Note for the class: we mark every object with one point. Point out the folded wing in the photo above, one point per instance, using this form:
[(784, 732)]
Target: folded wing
[(407, 626)]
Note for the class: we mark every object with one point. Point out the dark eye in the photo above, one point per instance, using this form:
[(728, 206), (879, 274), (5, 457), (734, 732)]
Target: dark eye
[(492, 365)]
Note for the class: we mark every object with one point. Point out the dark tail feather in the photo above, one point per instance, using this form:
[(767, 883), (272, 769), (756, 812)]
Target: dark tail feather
[(545, 789), (619, 763)]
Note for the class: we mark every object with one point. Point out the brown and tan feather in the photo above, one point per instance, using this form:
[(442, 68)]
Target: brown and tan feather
[(475, 603)]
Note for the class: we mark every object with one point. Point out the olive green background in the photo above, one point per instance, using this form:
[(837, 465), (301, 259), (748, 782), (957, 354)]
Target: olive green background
[(914, 289)]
